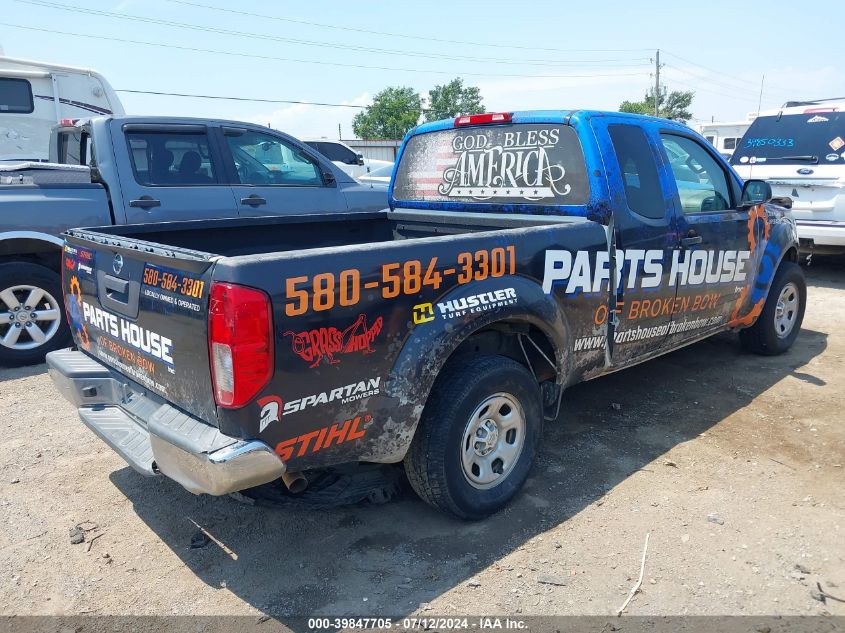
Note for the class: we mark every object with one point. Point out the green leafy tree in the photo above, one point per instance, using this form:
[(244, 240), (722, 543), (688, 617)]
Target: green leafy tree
[(453, 99), (394, 111), (671, 105)]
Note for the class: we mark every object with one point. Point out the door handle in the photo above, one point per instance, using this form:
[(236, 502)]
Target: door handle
[(145, 202), (254, 200), (691, 240)]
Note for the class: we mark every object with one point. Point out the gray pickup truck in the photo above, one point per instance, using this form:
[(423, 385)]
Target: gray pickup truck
[(145, 170)]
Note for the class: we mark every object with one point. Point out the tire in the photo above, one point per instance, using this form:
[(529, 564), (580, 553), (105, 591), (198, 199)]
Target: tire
[(18, 282), (770, 335), (443, 468)]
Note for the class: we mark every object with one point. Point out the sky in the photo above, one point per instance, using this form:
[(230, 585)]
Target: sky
[(538, 55)]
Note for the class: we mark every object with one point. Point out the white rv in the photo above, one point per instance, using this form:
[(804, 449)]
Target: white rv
[(35, 96), (799, 150), (724, 136)]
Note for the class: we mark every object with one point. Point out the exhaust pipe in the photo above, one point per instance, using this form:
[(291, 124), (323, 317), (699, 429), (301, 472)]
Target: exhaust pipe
[(295, 482)]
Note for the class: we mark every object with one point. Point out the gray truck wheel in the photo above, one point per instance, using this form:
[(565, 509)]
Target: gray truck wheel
[(778, 325), (478, 436), (32, 320)]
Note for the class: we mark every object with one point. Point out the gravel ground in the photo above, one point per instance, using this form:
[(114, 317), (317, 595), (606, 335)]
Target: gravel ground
[(732, 463)]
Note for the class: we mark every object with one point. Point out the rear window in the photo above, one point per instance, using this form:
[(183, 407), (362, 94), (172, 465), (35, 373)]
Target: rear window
[(75, 148), (792, 138), (15, 96), (511, 164)]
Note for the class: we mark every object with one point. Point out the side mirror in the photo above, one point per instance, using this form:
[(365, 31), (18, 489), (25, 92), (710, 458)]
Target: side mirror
[(783, 201), (755, 192), (360, 160), (328, 178)]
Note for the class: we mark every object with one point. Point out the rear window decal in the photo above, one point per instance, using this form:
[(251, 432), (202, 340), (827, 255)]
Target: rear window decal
[(499, 164)]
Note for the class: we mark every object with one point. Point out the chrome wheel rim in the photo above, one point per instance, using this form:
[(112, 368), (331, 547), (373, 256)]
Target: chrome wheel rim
[(29, 317), (492, 441), (786, 310)]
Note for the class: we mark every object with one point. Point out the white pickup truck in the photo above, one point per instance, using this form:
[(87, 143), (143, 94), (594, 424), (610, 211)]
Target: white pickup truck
[(799, 150), (345, 157)]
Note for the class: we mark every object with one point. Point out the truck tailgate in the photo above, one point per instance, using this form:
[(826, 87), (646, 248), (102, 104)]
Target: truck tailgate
[(143, 310)]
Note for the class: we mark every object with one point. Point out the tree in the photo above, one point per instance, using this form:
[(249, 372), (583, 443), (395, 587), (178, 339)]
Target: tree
[(453, 99), (673, 105), (394, 111)]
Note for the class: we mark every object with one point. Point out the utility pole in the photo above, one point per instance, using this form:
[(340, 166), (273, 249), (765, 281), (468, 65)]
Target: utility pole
[(760, 100), (339, 135), (657, 83)]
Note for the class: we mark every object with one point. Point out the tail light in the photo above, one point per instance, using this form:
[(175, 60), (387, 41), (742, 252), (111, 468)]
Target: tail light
[(481, 119), (240, 343)]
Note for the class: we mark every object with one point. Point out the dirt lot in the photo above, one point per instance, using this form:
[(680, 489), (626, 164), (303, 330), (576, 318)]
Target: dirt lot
[(733, 463)]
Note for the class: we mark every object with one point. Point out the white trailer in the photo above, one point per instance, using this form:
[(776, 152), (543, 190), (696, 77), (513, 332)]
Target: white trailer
[(35, 96), (725, 136)]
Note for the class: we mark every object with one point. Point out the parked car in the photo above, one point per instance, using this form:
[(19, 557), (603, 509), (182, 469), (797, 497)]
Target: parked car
[(800, 151), (345, 157), (380, 175), (36, 96), (145, 170), (522, 253)]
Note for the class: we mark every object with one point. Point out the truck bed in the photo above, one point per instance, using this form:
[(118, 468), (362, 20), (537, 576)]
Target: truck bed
[(255, 236)]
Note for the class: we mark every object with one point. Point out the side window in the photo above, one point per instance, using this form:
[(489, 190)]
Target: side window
[(164, 158), (730, 143), (639, 171), (711, 140), (16, 96), (262, 159), (337, 152), (702, 183)]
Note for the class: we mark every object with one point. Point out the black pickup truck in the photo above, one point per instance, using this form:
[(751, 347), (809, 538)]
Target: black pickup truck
[(522, 253)]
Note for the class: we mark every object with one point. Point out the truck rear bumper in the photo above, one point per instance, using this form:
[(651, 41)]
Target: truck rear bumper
[(822, 233), (155, 437)]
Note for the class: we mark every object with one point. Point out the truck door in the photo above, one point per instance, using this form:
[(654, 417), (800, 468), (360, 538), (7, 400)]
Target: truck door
[(271, 175), (170, 172), (710, 266), (644, 241)]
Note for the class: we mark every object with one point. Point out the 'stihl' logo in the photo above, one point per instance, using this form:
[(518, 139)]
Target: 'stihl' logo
[(319, 439)]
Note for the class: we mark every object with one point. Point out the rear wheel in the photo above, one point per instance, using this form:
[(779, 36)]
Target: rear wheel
[(32, 322), (778, 325), (478, 436)]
